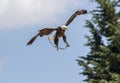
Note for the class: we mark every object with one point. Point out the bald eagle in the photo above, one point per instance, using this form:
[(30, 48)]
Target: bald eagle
[(60, 30)]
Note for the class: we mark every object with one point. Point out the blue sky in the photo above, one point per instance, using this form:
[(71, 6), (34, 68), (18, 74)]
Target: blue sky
[(41, 63)]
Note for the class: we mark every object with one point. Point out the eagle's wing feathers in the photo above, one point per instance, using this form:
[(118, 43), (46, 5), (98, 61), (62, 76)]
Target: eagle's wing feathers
[(33, 39), (46, 31), (78, 12), (42, 32), (71, 19)]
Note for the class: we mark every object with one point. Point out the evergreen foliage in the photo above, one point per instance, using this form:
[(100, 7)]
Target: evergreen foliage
[(102, 63)]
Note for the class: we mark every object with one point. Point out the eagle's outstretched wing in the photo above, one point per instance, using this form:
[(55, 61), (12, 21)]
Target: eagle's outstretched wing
[(42, 32), (33, 39), (78, 12)]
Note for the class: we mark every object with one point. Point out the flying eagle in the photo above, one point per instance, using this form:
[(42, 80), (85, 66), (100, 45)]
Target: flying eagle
[(60, 30)]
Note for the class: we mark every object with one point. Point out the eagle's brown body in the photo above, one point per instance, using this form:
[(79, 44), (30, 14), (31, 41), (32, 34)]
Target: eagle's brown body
[(60, 31)]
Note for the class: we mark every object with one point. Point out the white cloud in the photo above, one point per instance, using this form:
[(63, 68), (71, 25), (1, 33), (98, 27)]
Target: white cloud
[(22, 12)]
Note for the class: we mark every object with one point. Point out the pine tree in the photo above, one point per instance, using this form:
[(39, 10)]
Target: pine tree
[(102, 63)]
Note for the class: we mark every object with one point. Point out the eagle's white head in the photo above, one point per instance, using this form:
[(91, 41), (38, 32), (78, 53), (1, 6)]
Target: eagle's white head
[(64, 27)]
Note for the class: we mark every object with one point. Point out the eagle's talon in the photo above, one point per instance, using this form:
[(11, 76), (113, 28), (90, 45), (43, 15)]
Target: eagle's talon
[(67, 45)]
